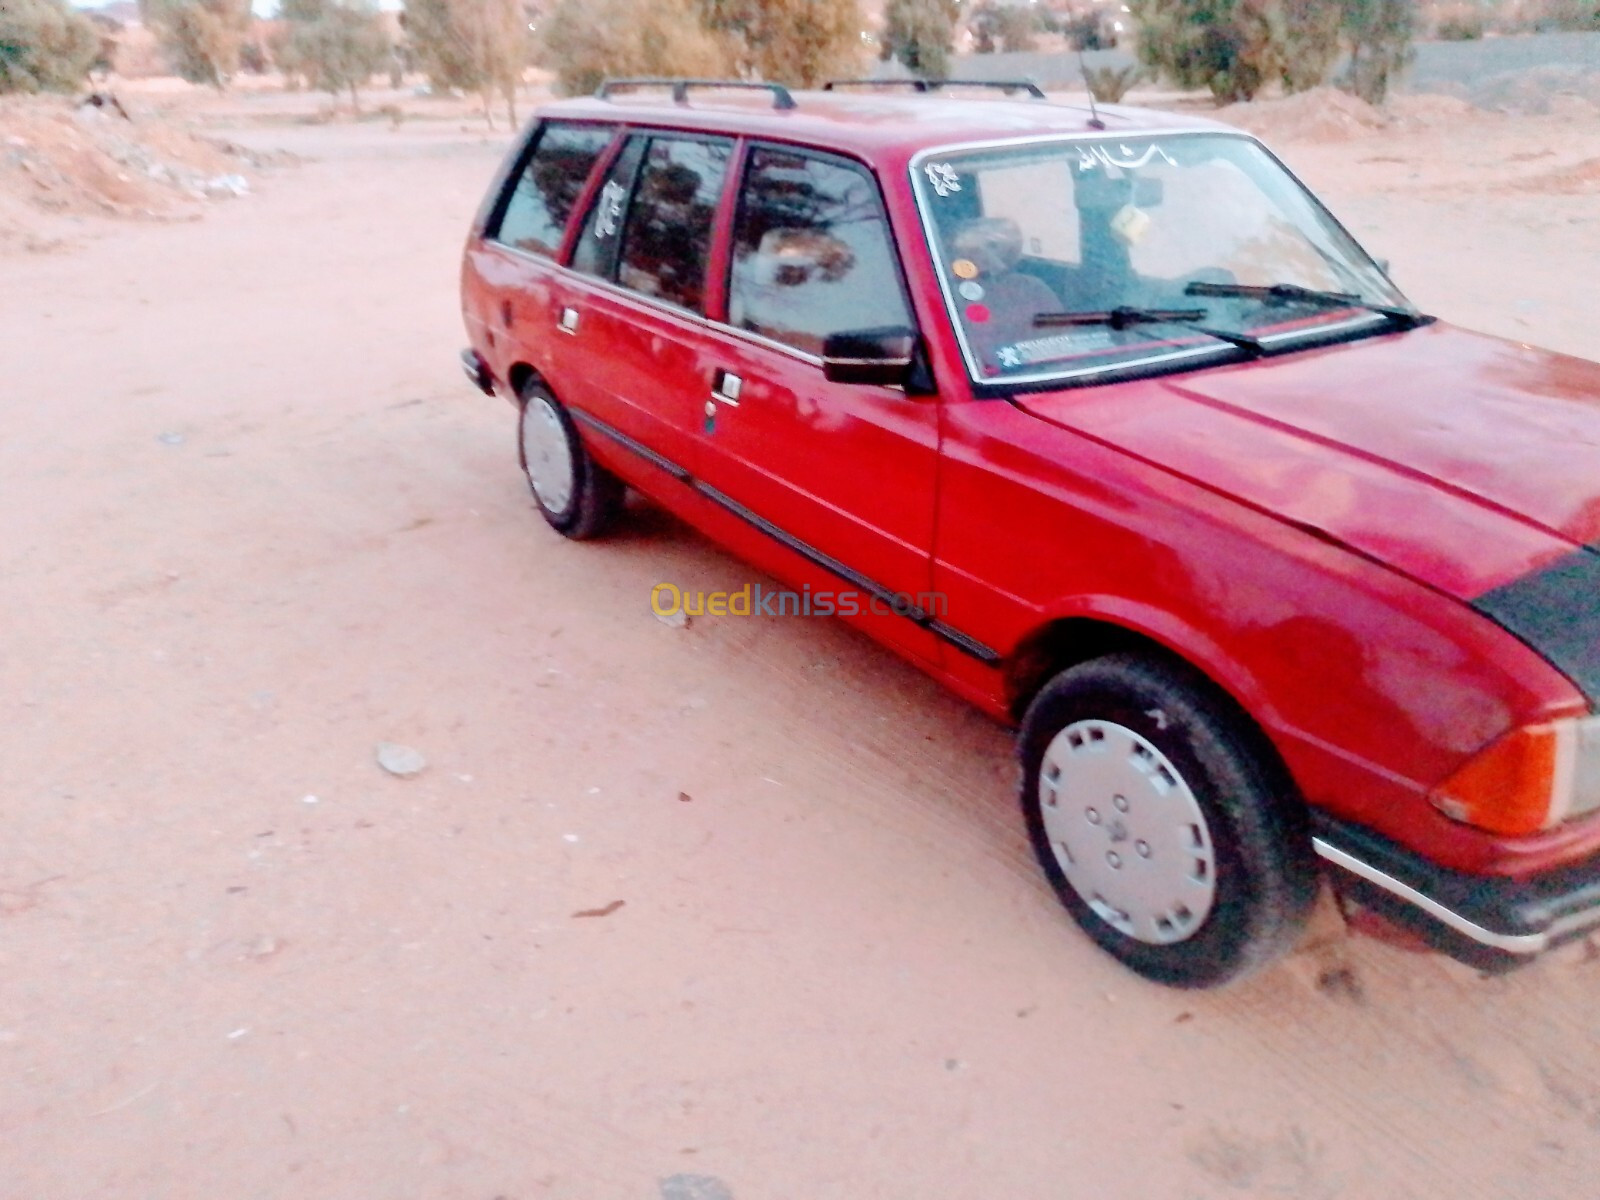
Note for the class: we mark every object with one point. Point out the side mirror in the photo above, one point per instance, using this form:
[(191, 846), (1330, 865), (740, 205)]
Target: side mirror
[(881, 356)]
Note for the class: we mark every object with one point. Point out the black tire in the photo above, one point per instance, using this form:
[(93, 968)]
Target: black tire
[(594, 499), (1265, 874)]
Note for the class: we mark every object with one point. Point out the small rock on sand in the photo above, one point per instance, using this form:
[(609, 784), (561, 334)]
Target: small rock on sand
[(399, 760)]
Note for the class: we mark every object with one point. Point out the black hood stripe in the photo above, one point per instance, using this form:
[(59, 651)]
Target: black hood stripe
[(1556, 611)]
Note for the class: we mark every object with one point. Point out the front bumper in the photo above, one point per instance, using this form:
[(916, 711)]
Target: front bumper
[(478, 371), (1489, 922)]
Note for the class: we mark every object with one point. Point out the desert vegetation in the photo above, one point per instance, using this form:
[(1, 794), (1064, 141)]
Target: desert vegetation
[(44, 46), (790, 41), (1236, 48), (335, 45)]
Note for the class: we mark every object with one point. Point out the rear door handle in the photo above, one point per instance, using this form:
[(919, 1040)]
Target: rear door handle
[(726, 387), (568, 321)]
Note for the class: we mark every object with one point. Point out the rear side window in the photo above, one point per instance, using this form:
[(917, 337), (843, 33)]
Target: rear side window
[(549, 186), (812, 254), (666, 240)]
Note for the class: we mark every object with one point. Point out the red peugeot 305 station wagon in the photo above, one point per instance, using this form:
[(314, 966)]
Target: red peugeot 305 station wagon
[(1138, 449)]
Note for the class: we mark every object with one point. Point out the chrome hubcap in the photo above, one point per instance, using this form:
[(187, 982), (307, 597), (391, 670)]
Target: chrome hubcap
[(1127, 832), (548, 454)]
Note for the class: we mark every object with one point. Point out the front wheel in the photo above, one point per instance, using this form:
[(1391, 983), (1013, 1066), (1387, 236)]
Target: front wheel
[(1163, 821), (577, 496)]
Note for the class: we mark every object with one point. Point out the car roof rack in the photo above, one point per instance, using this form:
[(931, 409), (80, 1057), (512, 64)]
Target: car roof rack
[(680, 88), (933, 85)]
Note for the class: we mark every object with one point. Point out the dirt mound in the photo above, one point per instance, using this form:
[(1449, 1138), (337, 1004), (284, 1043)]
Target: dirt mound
[(1579, 179), (63, 159), (1323, 114), (1430, 111)]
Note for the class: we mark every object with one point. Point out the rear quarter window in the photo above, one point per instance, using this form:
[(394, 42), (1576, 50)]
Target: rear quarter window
[(547, 188)]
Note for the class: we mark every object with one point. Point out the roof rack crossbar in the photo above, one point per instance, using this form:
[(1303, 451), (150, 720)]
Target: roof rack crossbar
[(916, 85), (680, 88), (933, 85)]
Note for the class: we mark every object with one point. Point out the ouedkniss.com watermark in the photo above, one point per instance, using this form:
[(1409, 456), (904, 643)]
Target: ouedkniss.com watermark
[(758, 600)]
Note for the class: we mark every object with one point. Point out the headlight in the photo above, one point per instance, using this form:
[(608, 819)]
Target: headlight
[(1586, 769), (1531, 779)]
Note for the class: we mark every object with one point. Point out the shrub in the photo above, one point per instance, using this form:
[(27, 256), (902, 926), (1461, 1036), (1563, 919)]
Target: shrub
[(1230, 47), (336, 45), (1378, 35), (585, 41), (1463, 27), (1310, 33), (476, 45), (787, 41), (44, 46), (1573, 16), (1089, 31), (201, 38), (1109, 85), (1018, 28), (1235, 47), (920, 33)]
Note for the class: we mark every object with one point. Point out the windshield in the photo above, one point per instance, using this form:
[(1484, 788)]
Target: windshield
[(1179, 224)]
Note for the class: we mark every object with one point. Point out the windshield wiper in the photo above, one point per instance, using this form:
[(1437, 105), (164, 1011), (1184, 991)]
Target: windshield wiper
[(1123, 317), (1291, 292)]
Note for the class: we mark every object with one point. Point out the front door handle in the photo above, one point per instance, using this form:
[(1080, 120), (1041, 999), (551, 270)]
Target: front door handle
[(568, 321), (725, 387)]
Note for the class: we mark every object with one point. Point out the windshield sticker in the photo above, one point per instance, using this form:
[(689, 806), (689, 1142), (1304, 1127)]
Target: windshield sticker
[(1130, 225), (964, 268), (978, 314), (611, 198), (1065, 345), (1122, 156), (971, 291), (943, 177)]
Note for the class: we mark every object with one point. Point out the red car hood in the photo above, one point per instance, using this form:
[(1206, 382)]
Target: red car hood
[(1460, 459)]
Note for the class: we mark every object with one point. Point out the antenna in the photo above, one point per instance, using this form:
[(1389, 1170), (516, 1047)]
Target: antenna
[(1094, 113)]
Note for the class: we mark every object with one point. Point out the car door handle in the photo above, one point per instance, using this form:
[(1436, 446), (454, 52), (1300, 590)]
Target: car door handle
[(568, 321), (725, 387)]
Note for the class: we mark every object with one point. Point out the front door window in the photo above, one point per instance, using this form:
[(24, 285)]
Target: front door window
[(812, 253)]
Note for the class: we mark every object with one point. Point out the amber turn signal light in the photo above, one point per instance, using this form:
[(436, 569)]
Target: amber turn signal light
[(1523, 783)]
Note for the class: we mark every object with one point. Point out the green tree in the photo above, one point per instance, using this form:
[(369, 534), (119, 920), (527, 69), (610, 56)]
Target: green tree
[(1378, 34), (336, 45), (1310, 33), (1235, 47), (478, 46), (787, 41), (587, 41), (1230, 47), (1017, 27), (201, 38), (44, 46), (921, 34)]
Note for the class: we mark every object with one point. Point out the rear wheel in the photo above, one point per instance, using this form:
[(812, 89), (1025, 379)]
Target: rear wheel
[(1163, 821), (576, 495)]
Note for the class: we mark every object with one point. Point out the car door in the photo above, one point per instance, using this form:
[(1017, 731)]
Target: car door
[(842, 474), (635, 350), (519, 292)]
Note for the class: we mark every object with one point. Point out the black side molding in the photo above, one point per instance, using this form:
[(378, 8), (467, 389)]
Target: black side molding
[(954, 637), (1556, 611)]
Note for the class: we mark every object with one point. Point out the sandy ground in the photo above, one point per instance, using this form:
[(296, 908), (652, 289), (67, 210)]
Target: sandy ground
[(253, 522)]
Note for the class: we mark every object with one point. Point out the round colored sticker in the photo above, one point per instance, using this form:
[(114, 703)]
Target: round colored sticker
[(978, 314), (965, 268), (971, 291)]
